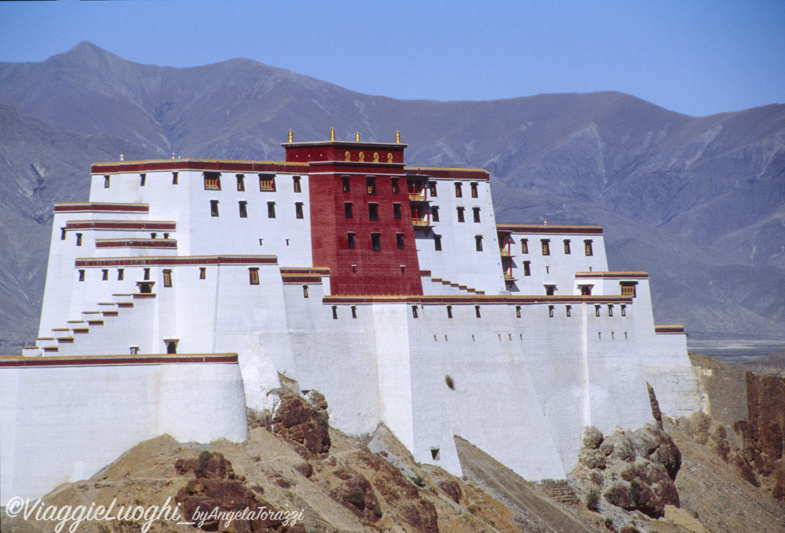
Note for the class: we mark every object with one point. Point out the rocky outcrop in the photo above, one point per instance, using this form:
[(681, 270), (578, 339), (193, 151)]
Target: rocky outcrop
[(631, 470), (305, 423), (216, 500)]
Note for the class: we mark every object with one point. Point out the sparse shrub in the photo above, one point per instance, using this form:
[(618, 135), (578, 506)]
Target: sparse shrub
[(593, 499), (418, 480), (609, 523), (450, 383)]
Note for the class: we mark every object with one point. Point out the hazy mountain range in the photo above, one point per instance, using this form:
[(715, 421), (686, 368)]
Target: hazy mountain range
[(697, 202)]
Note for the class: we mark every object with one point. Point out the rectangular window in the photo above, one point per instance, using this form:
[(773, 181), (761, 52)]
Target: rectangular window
[(347, 210), (527, 268), (120, 274), (588, 247), (202, 272), (476, 212), (243, 209), (610, 310), (354, 311), (147, 274), (524, 246), (517, 311), (550, 311), (596, 310), (298, 210), (546, 246), (566, 246), (296, 184), (253, 276), (399, 240), (623, 310), (105, 274), (550, 290), (213, 208), (435, 213), (373, 211), (175, 178), (477, 311), (270, 209), (432, 186), (437, 242), (414, 311), (212, 181), (267, 182), (474, 190), (142, 179), (460, 214), (397, 211), (62, 234), (240, 182), (81, 275), (370, 184), (79, 239), (478, 242), (628, 289), (305, 291), (449, 311), (376, 242), (395, 186), (350, 240), (458, 190), (346, 186), (106, 182), (167, 278), (568, 310)]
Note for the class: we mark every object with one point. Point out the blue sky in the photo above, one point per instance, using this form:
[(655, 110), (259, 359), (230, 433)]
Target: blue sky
[(695, 57)]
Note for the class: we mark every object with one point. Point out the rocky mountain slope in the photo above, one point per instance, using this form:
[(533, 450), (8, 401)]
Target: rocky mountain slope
[(698, 202)]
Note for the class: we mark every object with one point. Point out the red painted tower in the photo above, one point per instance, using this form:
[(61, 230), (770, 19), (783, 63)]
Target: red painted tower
[(361, 215)]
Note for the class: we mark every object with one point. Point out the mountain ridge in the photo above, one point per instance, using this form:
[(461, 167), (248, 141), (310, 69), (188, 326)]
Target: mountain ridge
[(715, 184)]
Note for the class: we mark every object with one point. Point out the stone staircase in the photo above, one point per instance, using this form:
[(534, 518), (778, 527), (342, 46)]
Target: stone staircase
[(453, 288), (561, 491)]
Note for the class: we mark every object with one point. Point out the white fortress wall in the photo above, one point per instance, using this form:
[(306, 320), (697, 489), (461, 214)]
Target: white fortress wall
[(90, 413)]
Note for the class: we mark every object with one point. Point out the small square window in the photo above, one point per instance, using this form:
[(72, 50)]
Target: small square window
[(458, 190), (376, 242), (474, 190), (270, 209), (346, 185), (298, 210), (460, 214), (395, 188), (373, 211), (399, 240), (437, 242), (253, 276), (240, 182), (213, 208), (350, 240), (397, 211), (243, 209), (347, 210), (550, 290), (296, 184), (267, 183), (167, 278), (212, 181)]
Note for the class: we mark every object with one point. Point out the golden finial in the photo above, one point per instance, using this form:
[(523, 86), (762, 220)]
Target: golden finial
[(357, 137), (544, 221), (332, 134), (290, 135), (397, 137), (122, 156)]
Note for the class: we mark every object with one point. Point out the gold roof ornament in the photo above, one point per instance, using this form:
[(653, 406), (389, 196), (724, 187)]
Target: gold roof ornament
[(122, 156), (397, 137), (291, 135), (357, 137), (332, 134)]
